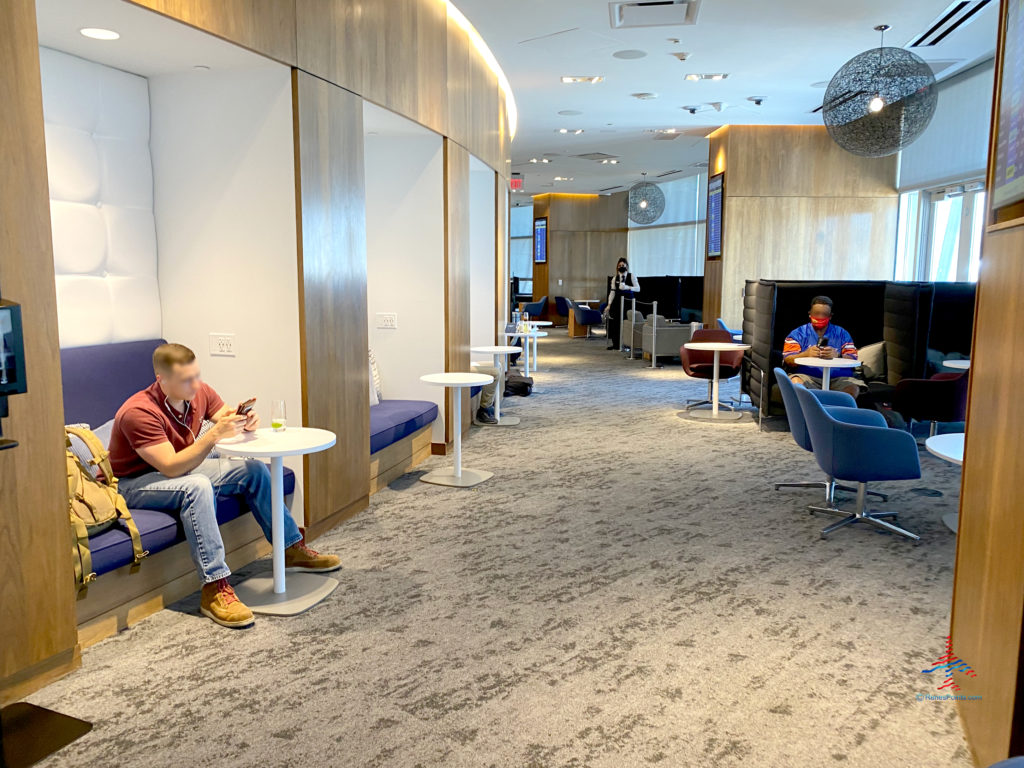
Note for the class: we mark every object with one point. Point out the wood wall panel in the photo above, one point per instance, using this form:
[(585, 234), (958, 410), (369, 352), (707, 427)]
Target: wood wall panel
[(988, 596), (797, 206), (37, 595), (474, 107), (456, 278), (263, 26), (391, 52), (332, 293)]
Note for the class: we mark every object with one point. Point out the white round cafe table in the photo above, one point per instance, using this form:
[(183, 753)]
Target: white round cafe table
[(526, 346), (500, 353), (827, 366), (949, 447), (960, 365), (538, 324), (457, 476), (301, 591), (717, 347)]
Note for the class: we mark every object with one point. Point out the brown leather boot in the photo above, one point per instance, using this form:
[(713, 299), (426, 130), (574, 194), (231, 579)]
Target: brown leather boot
[(220, 603), (301, 558)]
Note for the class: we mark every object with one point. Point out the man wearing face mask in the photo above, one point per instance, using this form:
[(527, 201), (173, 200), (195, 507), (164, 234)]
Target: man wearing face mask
[(623, 284), (823, 339)]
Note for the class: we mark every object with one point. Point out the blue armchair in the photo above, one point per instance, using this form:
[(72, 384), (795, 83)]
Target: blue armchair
[(798, 428), (562, 308), (536, 308), (724, 327), (854, 444), (586, 317)]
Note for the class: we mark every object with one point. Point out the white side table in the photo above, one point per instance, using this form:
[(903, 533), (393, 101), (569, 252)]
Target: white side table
[(960, 365), (457, 476), (717, 347), (303, 590), (499, 353), (538, 324), (827, 366), (526, 345), (949, 448)]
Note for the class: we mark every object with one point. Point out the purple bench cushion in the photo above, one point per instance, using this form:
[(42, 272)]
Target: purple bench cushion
[(158, 530), (391, 420), (97, 380)]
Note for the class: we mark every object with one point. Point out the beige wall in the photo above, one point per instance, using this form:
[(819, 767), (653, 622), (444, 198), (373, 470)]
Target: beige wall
[(797, 207)]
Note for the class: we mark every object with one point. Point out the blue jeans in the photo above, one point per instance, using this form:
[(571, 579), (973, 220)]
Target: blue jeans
[(194, 498)]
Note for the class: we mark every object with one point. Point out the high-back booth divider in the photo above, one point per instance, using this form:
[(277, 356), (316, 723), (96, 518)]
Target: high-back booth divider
[(903, 315)]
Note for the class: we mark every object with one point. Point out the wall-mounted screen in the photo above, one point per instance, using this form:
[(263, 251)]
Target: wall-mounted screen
[(12, 350), (716, 195), (540, 241), (1008, 171)]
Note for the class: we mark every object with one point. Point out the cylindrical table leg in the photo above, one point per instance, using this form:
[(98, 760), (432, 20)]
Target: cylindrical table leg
[(457, 428), (826, 378), (535, 353), (714, 388), (526, 355), (498, 386), (277, 520)]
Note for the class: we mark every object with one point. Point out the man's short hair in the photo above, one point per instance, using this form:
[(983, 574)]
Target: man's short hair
[(166, 356), (822, 300)]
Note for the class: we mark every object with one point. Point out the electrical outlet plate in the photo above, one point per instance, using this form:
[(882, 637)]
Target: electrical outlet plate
[(222, 344), (388, 320)]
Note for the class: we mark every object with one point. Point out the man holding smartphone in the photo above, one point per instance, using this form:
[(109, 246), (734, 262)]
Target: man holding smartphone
[(822, 339), (161, 458)]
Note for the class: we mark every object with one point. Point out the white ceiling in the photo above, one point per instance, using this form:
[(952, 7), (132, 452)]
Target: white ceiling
[(150, 44), (773, 50)]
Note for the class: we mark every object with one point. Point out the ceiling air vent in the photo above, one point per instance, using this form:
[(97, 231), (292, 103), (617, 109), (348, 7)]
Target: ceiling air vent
[(667, 173), (959, 14), (611, 189), (596, 156), (653, 13)]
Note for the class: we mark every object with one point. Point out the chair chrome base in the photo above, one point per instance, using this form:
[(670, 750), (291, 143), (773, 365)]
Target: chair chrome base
[(830, 487), (861, 515)]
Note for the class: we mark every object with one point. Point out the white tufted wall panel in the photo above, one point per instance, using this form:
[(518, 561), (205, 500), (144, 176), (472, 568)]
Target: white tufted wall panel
[(101, 201)]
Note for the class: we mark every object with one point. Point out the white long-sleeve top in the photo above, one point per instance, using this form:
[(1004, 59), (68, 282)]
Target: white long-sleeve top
[(627, 283)]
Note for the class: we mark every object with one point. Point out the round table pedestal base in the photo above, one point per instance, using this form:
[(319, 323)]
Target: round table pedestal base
[(506, 421), (469, 478), (952, 521), (706, 414), (304, 590)]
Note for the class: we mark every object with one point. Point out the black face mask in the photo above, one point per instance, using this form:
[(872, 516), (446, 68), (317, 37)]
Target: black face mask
[(622, 270)]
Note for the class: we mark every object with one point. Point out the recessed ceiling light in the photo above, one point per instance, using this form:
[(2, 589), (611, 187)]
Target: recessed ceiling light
[(96, 33), (644, 96), (570, 79), (570, 112), (682, 56), (758, 100), (609, 162), (707, 76), (563, 178), (629, 53), (693, 109), (573, 131), (666, 131), (541, 160)]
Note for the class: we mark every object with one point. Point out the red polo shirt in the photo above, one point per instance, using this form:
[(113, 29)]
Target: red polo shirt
[(147, 418)]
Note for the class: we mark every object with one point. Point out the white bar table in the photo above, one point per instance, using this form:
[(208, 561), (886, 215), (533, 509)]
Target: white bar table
[(718, 347), (960, 365), (538, 324), (526, 346), (499, 352), (827, 366), (949, 448), (302, 590), (457, 476)]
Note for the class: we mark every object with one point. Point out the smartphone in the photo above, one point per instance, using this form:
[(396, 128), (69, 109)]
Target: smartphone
[(823, 342), (245, 406)]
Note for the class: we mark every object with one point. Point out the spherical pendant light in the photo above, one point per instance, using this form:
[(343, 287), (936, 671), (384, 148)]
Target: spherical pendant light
[(646, 202), (880, 101)]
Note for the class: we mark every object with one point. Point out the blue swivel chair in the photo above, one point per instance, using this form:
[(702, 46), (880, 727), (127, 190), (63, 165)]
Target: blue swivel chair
[(586, 317), (856, 445), (798, 428), (562, 306), (536, 309), (724, 327)]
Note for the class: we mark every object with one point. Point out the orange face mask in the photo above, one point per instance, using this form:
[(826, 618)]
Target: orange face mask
[(819, 322)]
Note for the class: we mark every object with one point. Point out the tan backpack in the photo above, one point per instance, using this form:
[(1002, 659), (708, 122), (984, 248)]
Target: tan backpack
[(94, 503)]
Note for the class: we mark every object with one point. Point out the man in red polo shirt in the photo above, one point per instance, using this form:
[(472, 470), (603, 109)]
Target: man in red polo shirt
[(161, 458)]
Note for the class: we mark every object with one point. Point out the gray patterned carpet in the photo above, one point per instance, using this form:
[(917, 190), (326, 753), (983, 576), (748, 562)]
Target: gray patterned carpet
[(627, 591)]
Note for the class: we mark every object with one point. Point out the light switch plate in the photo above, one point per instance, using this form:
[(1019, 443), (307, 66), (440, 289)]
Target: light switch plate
[(388, 320), (222, 344)]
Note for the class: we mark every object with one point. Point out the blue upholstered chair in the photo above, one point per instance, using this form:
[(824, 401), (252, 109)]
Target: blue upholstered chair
[(536, 308), (586, 317), (856, 445), (732, 331), (562, 308), (798, 428)]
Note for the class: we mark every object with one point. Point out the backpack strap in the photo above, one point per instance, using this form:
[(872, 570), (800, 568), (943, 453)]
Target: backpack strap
[(80, 554), (122, 510)]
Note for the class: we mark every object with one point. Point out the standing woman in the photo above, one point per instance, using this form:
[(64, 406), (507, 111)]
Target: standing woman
[(623, 284)]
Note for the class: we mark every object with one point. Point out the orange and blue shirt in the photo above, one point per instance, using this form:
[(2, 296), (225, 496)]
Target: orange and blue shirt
[(805, 336)]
